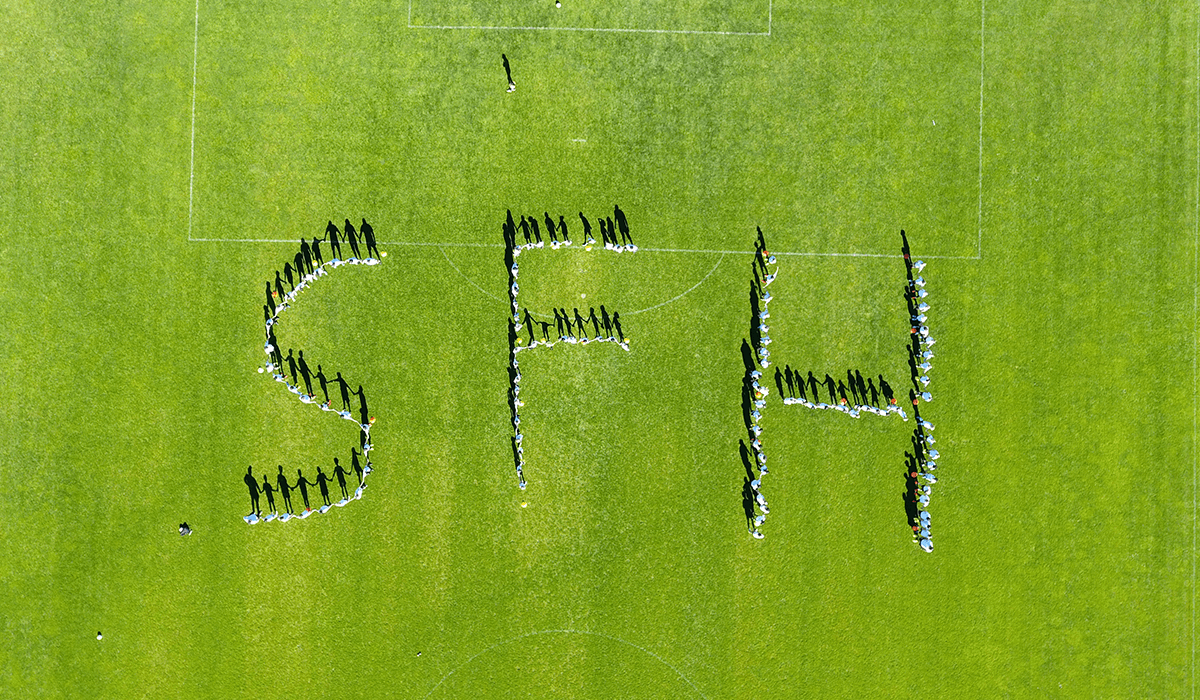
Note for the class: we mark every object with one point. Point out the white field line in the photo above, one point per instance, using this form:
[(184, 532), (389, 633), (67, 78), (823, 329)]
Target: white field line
[(192, 161), (566, 631), (677, 298), (770, 4), (979, 218)]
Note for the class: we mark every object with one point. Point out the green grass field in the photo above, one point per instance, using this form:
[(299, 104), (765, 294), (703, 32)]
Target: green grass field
[(1042, 157)]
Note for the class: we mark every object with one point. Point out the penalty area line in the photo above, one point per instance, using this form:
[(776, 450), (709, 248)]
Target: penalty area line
[(770, 11)]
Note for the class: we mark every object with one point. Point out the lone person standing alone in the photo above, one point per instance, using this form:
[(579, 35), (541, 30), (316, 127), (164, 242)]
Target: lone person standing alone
[(508, 71)]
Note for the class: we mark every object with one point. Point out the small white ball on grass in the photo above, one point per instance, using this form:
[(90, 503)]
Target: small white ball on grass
[(524, 504), (260, 370), (384, 253)]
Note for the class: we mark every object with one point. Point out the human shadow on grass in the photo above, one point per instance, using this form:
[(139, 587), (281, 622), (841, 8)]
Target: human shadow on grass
[(755, 311), (748, 503)]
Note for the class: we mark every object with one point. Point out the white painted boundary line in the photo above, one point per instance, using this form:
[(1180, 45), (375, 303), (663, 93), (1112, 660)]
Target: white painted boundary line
[(566, 631), (979, 217), (770, 12), (192, 162)]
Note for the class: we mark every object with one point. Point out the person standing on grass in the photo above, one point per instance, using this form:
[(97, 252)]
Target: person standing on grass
[(369, 234), (252, 484), (508, 72), (183, 530), (285, 489)]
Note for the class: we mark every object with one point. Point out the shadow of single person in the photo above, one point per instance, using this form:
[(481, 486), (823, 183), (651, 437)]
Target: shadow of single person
[(340, 474), (616, 320), (351, 237), (747, 403), (537, 230), (291, 362), (306, 373), (344, 386), (593, 320), (812, 385), (303, 484), (270, 493), (886, 390), (356, 465), (524, 225), (369, 236), (748, 361), (316, 251), (287, 273), (362, 406), (756, 318), (323, 484), (285, 489), (747, 461), (779, 380), (832, 386), (606, 322), (622, 224), (562, 228), (587, 230), (307, 255), (874, 392), (787, 375), (324, 382), (853, 386), (252, 484), (335, 248), (748, 503)]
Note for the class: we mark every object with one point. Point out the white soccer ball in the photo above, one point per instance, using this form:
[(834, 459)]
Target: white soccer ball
[(260, 370)]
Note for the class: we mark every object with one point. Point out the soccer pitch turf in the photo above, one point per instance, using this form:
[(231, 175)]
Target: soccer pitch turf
[(161, 160)]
